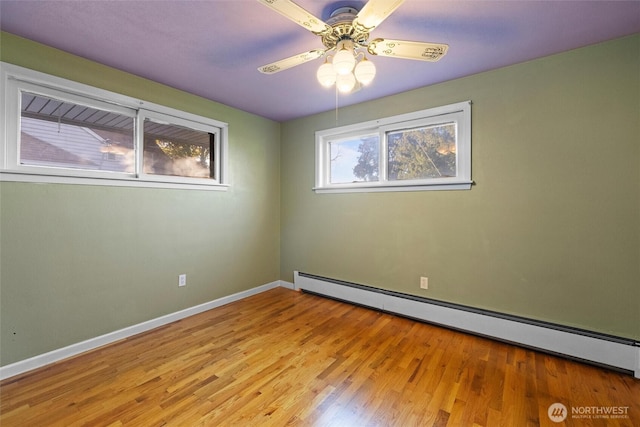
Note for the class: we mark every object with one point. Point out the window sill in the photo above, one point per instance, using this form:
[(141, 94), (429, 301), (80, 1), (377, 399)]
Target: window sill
[(7, 176), (368, 188)]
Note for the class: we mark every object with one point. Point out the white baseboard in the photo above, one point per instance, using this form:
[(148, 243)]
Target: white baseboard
[(287, 285), (600, 349), (93, 343)]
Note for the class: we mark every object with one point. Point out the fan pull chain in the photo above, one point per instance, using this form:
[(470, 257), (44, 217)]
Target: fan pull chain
[(336, 86)]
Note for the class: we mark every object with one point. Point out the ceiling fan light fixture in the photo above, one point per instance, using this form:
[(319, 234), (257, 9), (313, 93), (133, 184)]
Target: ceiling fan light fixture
[(345, 36), (344, 60), (345, 82), (326, 74), (365, 71)]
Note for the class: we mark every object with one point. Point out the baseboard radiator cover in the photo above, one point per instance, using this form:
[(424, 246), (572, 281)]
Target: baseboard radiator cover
[(604, 350)]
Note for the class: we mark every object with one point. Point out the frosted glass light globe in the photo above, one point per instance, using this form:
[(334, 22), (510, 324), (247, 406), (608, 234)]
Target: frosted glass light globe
[(344, 61), (365, 71), (326, 75), (346, 82)]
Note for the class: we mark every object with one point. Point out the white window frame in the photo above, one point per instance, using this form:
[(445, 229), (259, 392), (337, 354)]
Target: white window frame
[(169, 120), (460, 113), (14, 80)]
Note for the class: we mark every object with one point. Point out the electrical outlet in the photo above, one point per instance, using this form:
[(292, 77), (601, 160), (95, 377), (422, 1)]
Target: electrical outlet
[(424, 283), (182, 280)]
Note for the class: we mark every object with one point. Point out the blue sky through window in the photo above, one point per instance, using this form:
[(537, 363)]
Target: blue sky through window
[(344, 156)]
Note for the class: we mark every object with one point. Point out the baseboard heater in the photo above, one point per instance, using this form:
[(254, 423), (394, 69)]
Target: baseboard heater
[(604, 350)]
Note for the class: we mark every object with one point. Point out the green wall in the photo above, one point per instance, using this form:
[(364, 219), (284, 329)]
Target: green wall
[(550, 231), (80, 261)]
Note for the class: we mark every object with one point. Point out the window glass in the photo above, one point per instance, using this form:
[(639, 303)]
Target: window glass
[(422, 150), (355, 159), (55, 133), (422, 153), (177, 151)]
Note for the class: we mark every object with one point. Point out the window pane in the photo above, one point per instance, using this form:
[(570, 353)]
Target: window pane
[(178, 151), (56, 133), (355, 159), (426, 152)]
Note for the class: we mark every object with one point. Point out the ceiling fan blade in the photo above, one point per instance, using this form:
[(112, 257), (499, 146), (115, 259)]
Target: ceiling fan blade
[(373, 13), (292, 61), (298, 15), (409, 50)]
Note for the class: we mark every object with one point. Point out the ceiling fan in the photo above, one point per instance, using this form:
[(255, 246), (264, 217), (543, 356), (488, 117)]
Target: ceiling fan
[(345, 37)]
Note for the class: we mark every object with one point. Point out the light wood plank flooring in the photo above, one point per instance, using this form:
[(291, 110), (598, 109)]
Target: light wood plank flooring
[(288, 358)]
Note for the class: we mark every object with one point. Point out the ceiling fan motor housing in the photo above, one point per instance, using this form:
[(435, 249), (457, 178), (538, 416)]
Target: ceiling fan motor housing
[(341, 23)]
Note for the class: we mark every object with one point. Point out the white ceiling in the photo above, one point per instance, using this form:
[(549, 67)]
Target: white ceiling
[(213, 48)]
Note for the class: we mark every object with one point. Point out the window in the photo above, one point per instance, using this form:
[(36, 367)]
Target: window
[(425, 150), (66, 135), (174, 148), (61, 131)]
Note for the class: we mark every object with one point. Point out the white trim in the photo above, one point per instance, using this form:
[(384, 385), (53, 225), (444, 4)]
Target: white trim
[(110, 182), (287, 285), (365, 188), (585, 347), (93, 343)]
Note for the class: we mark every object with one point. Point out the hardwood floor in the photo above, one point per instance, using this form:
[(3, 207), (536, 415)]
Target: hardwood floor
[(286, 358)]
